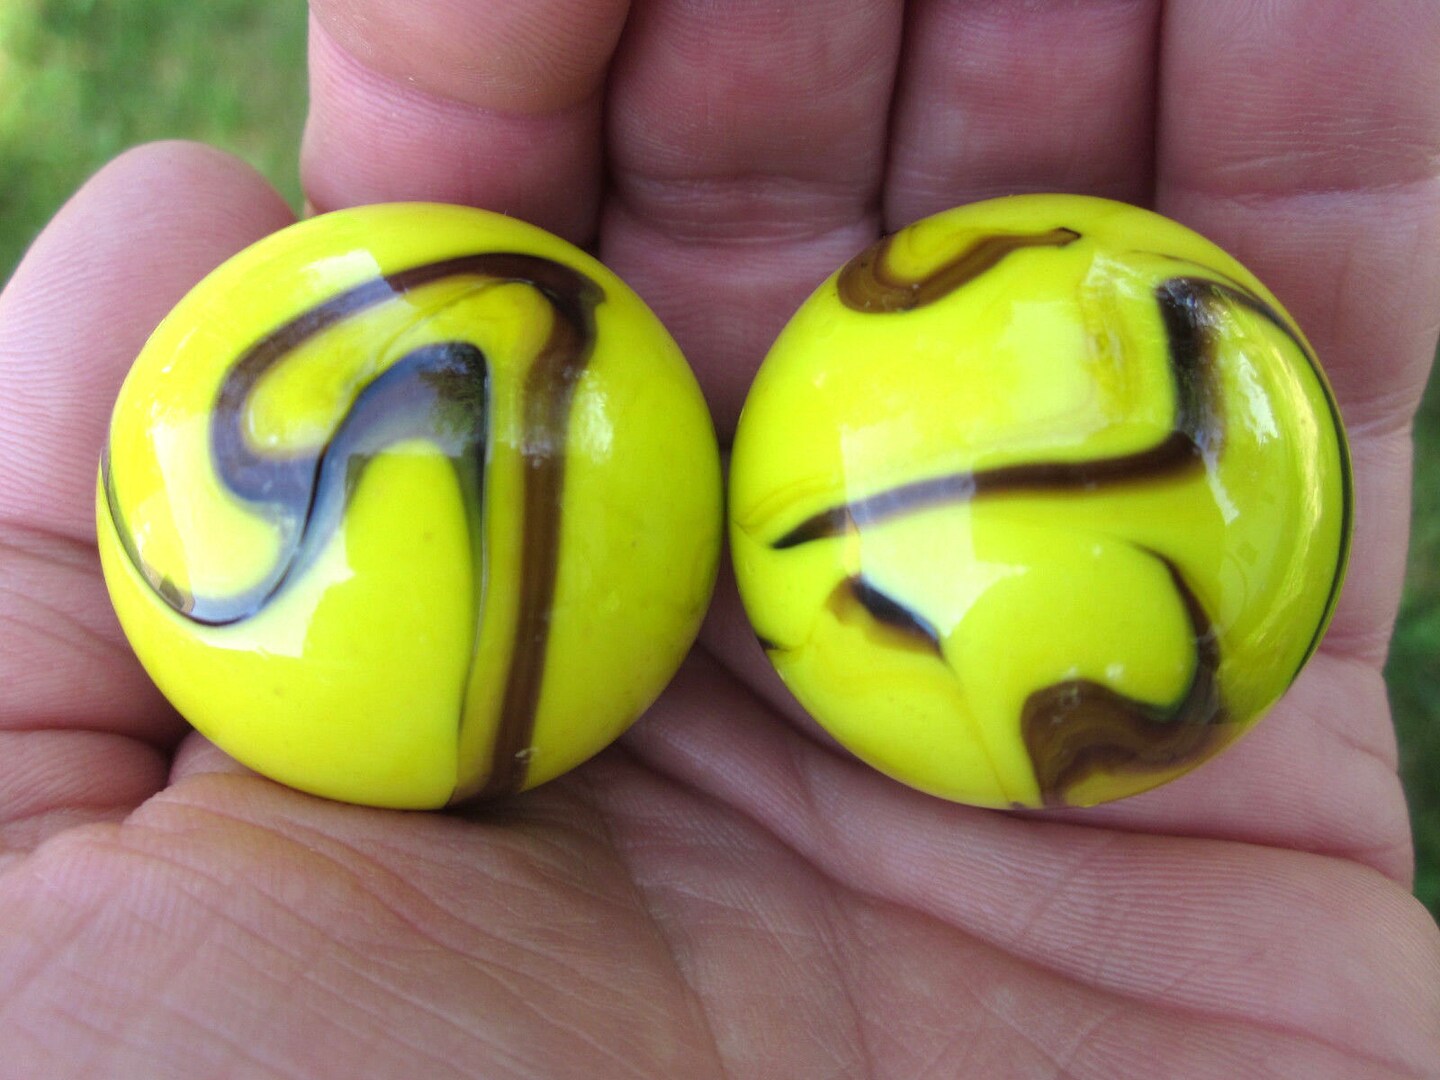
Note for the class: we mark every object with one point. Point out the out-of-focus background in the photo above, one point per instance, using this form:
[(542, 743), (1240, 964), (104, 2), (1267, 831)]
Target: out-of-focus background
[(81, 80)]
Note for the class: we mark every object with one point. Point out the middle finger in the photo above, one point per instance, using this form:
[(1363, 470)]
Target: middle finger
[(1001, 98), (747, 145)]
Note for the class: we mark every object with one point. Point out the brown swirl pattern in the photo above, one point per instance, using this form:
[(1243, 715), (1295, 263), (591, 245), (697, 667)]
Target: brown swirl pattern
[(1077, 728), (438, 391)]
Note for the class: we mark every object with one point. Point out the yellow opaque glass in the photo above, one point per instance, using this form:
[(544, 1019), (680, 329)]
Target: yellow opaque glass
[(409, 504), (1040, 501)]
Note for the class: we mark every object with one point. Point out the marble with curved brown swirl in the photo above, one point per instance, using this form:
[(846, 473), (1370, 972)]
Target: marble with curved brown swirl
[(440, 392), (1077, 728)]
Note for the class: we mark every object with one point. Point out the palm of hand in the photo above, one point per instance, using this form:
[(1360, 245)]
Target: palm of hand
[(722, 892)]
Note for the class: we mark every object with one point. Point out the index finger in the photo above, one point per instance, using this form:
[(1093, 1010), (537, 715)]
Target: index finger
[(479, 102)]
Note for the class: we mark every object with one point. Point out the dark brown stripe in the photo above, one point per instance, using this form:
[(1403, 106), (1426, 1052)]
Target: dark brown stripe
[(439, 391), (1077, 729), (1244, 297), (1236, 293), (549, 390), (1249, 300), (868, 284), (1177, 453), (890, 612), (1187, 307)]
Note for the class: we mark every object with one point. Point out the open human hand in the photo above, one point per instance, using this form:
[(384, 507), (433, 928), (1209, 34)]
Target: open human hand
[(723, 893)]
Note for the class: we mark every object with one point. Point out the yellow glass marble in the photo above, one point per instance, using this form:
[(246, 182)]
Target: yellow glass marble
[(409, 504), (1040, 501)]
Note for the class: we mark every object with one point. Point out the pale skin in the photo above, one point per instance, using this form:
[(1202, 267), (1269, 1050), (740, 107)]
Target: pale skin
[(724, 893)]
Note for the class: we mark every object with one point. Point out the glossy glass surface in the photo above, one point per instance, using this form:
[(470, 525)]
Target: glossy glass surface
[(409, 504), (1040, 501)]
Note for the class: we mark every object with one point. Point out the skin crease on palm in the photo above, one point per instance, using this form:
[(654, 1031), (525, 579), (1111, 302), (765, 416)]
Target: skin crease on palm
[(723, 893)]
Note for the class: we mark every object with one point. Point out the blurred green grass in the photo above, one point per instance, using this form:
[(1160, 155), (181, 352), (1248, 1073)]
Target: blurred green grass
[(1413, 673), (81, 80)]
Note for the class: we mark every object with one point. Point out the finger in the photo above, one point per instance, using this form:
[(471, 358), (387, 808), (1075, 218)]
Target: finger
[(881, 989), (85, 735), (478, 102), (85, 298), (999, 98), (57, 780), (198, 756), (1305, 137), (63, 662), (747, 145), (1297, 943)]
